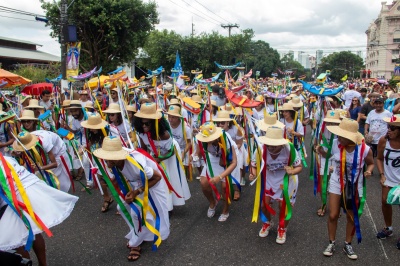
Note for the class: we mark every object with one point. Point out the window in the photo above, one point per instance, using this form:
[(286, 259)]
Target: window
[(396, 36), (395, 52)]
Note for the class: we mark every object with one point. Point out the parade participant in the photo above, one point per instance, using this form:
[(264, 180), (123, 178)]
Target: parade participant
[(389, 171), (294, 130), (84, 98), (363, 92), (302, 113), (37, 110), (118, 126), (347, 182), (24, 100), (48, 150), (29, 122), (336, 102), (181, 133), (89, 107), (217, 95), (156, 139), (249, 94), (218, 150), (270, 105), (74, 125), (349, 95), (375, 126), (143, 183), (6, 128), (366, 108), (42, 202), (236, 133), (114, 96), (325, 140), (259, 111), (185, 114), (94, 124), (131, 109), (202, 117), (354, 109), (282, 164)]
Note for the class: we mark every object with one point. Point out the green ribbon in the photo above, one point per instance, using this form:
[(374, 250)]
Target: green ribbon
[(325, 179), (286, 183)]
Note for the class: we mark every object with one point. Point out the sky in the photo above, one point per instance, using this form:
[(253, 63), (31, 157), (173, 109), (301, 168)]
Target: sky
[(299, 25)]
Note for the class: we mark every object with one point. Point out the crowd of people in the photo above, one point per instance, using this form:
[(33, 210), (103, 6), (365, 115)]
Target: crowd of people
[(140, 145)]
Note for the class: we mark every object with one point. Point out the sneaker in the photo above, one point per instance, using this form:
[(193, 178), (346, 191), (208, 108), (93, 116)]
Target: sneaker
[(265, 229), (242, 182), (281, 237), (398, 243), (348, 249), (223, 217), (329, 250), (198, 178), (384, 233), (211, 212)]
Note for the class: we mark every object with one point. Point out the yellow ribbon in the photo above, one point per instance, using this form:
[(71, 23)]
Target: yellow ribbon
[(258, 188), (145, 202)]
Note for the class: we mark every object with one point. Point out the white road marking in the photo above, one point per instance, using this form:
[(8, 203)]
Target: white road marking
[(375, 229)]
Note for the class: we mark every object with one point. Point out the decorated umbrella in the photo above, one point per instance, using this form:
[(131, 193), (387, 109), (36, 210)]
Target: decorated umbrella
[(94, 82), (382, 81), (37, 89), (12, 79)]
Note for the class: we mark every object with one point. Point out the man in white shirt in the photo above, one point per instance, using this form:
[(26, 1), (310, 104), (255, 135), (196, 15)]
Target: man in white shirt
[(84, 98), (349, 95)]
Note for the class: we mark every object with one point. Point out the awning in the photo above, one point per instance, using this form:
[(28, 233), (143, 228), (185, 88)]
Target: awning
[(36, 89), (12, 79)]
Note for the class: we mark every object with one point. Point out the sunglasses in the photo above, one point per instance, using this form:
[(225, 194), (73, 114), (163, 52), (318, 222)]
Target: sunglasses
[(393, 128), (220, 122), (147, 124), (112, 114)]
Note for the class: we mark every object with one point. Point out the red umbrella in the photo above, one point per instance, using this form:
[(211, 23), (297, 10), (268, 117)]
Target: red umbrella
[(36, 89)]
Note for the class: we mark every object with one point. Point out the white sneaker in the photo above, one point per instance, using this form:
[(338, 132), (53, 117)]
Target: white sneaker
[(198, 178), (211, 212), (265, 229), (281, 237), (329, 250)]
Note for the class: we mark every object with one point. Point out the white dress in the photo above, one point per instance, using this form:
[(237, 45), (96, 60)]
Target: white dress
[(52, 142), (242, 153), (176, 177), (276, 173), (177, 134), (51, 205), (158, 195)]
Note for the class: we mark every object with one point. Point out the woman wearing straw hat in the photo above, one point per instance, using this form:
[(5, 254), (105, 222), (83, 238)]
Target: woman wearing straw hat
[(51, 207), (294, 130), (47, 149), (302, 113), (6, 138), (224, 121), (95, 125), (279, 176), (259, 111), (332, 118), (221, 161), (389, 169), (181, 133), (346, 190), (118, 126), (155, 137), (140, 182), (29, 121), (37, 109)]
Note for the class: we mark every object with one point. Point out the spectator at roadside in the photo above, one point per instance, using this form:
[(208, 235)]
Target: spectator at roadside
[(365, 110)]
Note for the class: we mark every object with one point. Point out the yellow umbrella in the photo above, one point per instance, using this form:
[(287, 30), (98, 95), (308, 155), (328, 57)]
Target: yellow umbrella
[(13, 79)]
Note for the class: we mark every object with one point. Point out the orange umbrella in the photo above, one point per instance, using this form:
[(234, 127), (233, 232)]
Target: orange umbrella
[(12, 79)]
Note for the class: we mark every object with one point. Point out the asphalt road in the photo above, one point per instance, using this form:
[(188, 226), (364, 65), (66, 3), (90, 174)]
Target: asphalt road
[(89, 237)]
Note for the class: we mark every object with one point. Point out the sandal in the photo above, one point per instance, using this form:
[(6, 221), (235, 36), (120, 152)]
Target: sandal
[(236, 196), (78, 177), (106, 205), (134, 254), (223, 217)]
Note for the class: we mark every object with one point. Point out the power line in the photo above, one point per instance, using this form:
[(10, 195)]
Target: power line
[(200, 11), (211, 11), (17, 11), (193, 13), (17, 18)]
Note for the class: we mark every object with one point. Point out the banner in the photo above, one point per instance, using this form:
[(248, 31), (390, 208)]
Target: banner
[(72, 61)]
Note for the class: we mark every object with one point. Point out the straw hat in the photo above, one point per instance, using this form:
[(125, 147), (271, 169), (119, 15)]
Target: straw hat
[(348, 129), (194, 91), (113, 108), (75, 104), (273, 137), (239, 110), (228, 107), (197, 99), (223, 116), (332, 116), (174, 111), (24, 98), (286, 107), (28, 141), (83, 92), (144, 100), (28, 115), (260, 98), (394, 120), (149, 111), (270, 120), (33, 103), (111, 149), (131, 108), (89, 105), (94, 121), (66, 103), (175, 102), (296, 102), (208, 132)]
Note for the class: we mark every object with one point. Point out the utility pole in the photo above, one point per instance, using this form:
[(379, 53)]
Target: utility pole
[(192, 28), (230, 26), (63, 25)]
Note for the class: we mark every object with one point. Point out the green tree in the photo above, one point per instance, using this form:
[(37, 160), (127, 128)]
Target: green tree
[(38, 74), (110, 31), (342, 63), (288, 63), (262, 58)]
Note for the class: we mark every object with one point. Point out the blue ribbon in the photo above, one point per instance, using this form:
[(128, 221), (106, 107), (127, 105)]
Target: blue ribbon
[(352, 191)]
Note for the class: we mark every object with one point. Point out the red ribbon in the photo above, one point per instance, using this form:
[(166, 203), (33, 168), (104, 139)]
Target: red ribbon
[(69, 173), (152, 145)]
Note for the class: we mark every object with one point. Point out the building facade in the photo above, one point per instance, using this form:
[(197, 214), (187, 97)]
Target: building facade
[(383, 41)]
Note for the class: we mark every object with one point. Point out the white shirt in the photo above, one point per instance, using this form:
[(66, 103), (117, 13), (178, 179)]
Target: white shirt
[(51, 142), (177, 134), (377, 126)]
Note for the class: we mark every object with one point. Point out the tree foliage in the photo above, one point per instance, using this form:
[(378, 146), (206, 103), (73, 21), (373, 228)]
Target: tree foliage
[(342, 63), (110, 31), (38, 73), (203, 50)]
